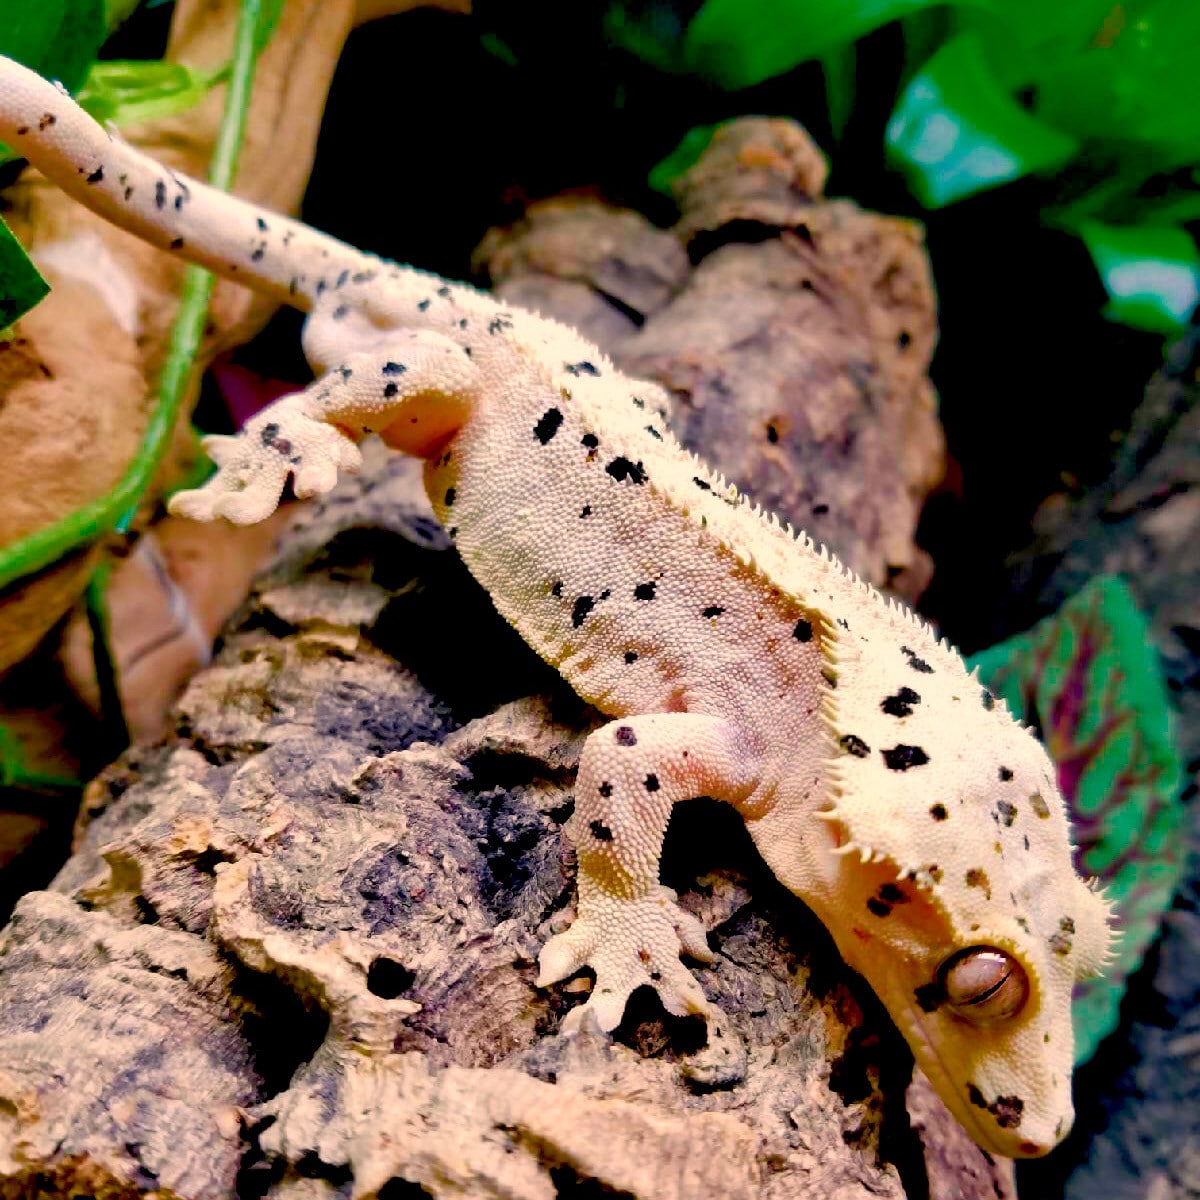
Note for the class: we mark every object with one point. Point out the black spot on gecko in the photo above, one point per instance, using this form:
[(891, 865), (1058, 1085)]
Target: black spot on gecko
[(1060, 942), (989, 701), (444, 292), (390, 390), (176, 243), (819, 510), (340, 312), (580, 368), (622, 469), (556, 588), (271, 439), (548, 425), (713, 610), (644, 591), (630, 657), (701, 484), (854, 745), (938, 812), (605, 789), (583, 606), (651, 783), (462, 322), (262, 225), (450, 494), (258, 252), (878, 907), (772, 434), (917, 664), (497, 324), (97, 176), (585, 511), (625, 736), (902, 757), (393, 368), (600, 831), (803, 631), (160, 194), (423, 305), (977, 877), (1008, 812), (1005, 775), (900, 704), (654, 433), (638, 402)]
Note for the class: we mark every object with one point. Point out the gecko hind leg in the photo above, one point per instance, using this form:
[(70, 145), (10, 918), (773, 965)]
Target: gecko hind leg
[(629, 928), (416, 393)]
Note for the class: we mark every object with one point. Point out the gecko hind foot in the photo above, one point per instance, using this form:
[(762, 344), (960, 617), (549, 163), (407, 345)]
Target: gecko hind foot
[(628, 943), (253, 466)]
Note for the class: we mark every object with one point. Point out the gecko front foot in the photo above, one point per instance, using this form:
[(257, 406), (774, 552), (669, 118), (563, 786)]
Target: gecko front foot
[(628, 943), (253, 467)]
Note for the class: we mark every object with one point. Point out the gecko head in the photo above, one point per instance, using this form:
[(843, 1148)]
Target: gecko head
[(954, 893)]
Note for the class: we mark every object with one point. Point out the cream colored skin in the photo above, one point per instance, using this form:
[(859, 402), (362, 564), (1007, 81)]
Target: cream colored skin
[(879, 780)]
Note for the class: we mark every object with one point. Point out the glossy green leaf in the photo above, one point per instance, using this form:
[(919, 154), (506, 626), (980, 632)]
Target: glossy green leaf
[(1025, 39), (649, 29), (666, 171), (840, 68), (1136, 82), (128, 92), (738, 43), (21, 283), (56, 38), (1088, 679), (1151, 274), (955, 131)]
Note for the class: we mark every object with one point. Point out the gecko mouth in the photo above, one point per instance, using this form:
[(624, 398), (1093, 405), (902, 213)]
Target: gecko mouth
[(977, 1122)]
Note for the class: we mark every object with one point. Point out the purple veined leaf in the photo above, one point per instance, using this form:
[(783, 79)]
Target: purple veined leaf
[(1088, 679), (955, 131), (1150, 272)]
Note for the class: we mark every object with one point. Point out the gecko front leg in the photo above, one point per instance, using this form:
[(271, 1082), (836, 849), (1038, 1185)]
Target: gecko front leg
[(415, 394), (629, 928)]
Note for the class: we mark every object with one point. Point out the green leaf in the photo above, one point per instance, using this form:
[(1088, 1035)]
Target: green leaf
[(1135, 82), (840, 68), (1151, 274), (21, 283), (1023, 39), (56, 38), (1086, 679), (738, 43), (648, 28), (666, 171), (128, 92), (955, 131)]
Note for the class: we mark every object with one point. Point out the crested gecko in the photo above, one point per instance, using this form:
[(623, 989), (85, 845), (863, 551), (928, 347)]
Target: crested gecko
[(880, 781)]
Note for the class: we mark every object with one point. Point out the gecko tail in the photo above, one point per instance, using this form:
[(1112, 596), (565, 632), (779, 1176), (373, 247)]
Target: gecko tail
[(199, 223)]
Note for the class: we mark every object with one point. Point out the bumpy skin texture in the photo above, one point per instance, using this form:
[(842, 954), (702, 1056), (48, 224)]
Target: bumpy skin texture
[(880, 781)]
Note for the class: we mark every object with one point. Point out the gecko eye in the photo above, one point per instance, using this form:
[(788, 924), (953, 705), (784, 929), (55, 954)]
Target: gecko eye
[(984, 984)]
